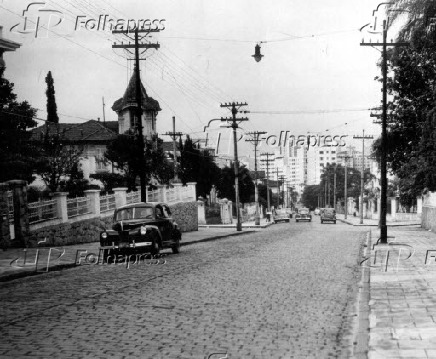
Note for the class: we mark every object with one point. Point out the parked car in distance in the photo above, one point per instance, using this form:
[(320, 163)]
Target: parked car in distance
[(141, 228), (317, 211), (281, 215), (303, 215), (328, 215)]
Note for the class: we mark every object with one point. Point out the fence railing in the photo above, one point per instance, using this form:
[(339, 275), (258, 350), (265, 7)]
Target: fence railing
[(153, 196), (78, 206), (107, 203), (42, 211), (11, 206), (133, 197), (171, 195)]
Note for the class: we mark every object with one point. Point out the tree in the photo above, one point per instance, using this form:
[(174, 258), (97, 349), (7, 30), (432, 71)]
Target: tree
[(197, 166), (226, 184), (125, 153), (58, 161), (310, 196), (17, 155), (411, 145), (52, 115)]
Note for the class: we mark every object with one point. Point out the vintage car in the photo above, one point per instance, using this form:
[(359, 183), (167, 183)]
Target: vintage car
[(317, 211), (328, 215), (281, 215), (303, 215), (141, 227)]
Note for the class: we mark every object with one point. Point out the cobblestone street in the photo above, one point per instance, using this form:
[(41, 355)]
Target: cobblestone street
[(287, 291)]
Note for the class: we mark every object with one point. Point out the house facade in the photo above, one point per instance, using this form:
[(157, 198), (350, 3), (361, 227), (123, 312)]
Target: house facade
[(93, 137)]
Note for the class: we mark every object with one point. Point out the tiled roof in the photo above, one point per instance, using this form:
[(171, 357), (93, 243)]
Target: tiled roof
[(111, 125), (129, 98), (90, 131)]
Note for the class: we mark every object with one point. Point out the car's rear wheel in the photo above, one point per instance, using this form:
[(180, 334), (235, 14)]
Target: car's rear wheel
[(322, 222), (334, 222)]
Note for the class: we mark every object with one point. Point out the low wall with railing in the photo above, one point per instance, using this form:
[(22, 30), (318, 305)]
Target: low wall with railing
[(63, 221)]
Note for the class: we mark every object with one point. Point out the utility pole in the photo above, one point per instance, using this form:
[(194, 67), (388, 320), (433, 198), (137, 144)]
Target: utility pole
[(278, 188), (346, 157), (362, 175), (136, 46), (325, 193), (235, 108), (104, 114), (282, 181), (383, 159), (255, 139), (334, 188), (267, 160), (174, 135)]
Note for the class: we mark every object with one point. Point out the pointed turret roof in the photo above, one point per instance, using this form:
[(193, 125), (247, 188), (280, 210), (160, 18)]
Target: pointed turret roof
[(129, 98)]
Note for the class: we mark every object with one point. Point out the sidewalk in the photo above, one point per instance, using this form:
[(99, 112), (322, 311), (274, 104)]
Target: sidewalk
[(402, 295), (355, 221), (19, 262), (250, 224)]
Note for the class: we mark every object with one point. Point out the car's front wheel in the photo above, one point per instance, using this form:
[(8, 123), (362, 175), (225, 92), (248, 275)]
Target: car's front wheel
[(176, 247)]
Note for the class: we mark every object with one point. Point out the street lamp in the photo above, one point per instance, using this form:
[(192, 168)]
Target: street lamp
[(257, 55)]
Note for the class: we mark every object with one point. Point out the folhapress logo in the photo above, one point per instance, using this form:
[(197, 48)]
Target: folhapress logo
[(38, 20)]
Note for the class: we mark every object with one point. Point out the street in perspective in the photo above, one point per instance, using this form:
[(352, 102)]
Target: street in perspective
[(217, 180)]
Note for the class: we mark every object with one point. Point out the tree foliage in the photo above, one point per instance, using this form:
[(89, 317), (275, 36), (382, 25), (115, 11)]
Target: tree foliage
[(411, 139), (52, 115), (226, 184), (57, 161), (17, 156), (125, 153), (197, 166)]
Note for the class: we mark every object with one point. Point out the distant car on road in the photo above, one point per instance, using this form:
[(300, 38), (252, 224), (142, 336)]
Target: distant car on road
[(141, 227), (281, 215), (317, 211), (303, 215), (328, 215)]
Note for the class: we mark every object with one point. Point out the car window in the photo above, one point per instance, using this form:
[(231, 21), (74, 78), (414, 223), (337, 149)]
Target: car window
[(124, 214), (143, 212)]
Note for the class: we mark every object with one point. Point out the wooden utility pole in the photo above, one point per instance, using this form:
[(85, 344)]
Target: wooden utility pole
[(362, 175), (334, 188), (235, 108), (282, 182), (104, 114), (255, 139), (140, 135), (174, 136), (346, 157), (383, 159), (267, 160)]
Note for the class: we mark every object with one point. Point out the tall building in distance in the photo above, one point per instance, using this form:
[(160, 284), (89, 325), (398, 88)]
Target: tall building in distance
[(317, 160)]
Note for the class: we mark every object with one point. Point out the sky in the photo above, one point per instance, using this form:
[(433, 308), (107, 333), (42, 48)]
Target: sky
[(314, 75)]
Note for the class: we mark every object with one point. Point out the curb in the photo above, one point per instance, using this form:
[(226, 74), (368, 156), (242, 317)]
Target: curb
[(232, 226), (361, 324), (376, 225), (59, 267)]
